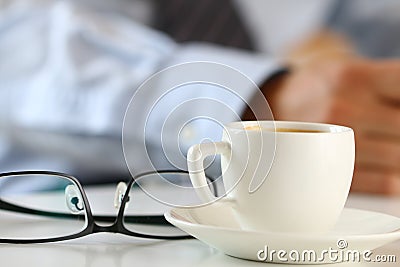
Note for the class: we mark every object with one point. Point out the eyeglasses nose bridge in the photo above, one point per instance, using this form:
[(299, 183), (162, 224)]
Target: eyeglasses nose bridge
[(119, 194)]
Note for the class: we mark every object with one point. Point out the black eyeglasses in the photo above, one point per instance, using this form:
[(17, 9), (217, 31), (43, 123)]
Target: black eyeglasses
[(44, 206)]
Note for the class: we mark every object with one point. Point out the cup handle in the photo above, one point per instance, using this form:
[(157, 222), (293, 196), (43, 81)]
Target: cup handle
[(195, 157)]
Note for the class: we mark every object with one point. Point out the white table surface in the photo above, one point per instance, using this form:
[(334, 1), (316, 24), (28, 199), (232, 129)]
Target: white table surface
[(105, 249)]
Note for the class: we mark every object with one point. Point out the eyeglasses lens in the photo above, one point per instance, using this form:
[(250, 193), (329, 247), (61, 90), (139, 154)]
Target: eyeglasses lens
[(154, 194), (39, 206)]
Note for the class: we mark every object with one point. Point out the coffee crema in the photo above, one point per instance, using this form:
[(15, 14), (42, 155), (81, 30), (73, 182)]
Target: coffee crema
[(284, 130)]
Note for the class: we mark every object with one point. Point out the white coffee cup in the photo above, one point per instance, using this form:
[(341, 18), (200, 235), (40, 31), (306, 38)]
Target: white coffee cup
[(280, 180)]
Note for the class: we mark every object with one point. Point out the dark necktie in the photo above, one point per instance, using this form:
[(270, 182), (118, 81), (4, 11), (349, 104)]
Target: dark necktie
[(214, 21)]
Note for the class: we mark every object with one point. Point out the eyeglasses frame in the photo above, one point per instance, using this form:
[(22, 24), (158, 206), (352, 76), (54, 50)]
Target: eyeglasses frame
[(92, 227)]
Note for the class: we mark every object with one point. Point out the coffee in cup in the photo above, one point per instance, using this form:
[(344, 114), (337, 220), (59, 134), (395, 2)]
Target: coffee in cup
[(280, 176)]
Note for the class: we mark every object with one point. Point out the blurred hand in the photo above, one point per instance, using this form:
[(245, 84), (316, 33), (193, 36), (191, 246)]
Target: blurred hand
[(361, 94)]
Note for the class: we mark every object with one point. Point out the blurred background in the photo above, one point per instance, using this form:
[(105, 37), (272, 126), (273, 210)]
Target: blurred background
[(69, 68)]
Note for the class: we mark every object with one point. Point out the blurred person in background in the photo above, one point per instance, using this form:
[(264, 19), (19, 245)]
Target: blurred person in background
[(69, 68)]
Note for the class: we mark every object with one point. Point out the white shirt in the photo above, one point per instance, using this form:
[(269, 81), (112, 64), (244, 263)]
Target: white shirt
[(68, 71)]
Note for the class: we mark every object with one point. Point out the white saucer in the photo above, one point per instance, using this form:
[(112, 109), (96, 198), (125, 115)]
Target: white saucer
[(216, 226)]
